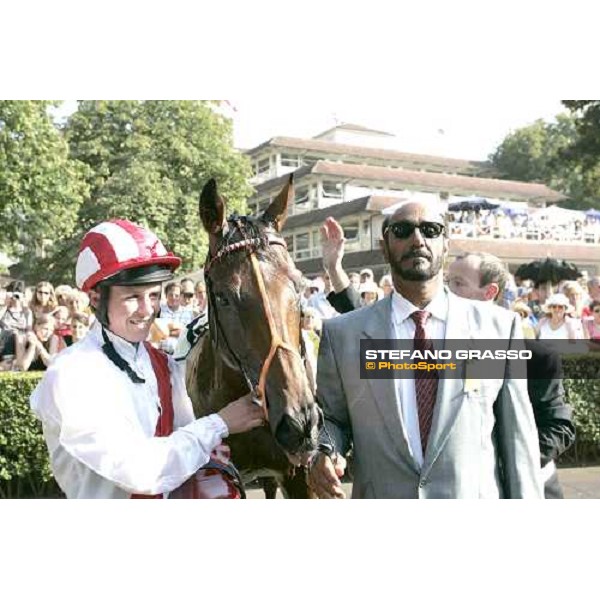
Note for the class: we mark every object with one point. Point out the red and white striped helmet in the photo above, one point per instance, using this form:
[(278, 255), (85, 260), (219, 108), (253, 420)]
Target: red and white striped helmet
[(114, 246)]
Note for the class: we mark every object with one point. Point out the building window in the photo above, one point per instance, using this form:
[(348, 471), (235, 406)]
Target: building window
[(302, 246), (302, 197), (351, 231), (263, 166), (333, 189), (290, 160)]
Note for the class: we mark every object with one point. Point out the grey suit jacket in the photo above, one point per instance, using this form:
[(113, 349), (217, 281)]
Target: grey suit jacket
[(483, 442)]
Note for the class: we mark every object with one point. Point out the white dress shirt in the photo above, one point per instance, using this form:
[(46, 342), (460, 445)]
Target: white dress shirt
[(404, 328), (99, 426)]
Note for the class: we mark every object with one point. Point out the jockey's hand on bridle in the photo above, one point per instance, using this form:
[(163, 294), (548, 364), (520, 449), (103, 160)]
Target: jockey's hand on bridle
[(324, 476), (242, 415)]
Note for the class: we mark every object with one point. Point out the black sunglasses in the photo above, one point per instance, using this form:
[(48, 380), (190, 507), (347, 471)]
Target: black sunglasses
[(188, 295), (404, 229)]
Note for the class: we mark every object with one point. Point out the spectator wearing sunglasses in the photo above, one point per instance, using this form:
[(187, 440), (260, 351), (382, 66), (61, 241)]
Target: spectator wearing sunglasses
[(557, 325), (188, 297), (446, 438), (44, 299)]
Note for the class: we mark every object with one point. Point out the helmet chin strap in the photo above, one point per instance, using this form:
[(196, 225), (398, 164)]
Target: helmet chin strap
[(101, 313), (114, 357)]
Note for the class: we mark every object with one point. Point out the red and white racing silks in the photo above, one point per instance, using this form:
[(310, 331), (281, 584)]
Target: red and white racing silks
[(101, 438), (116, 245)]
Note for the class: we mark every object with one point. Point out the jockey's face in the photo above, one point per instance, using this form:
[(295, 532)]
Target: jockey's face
[(132, 309)]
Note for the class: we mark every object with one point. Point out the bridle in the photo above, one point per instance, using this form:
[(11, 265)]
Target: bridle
[(250, 246)]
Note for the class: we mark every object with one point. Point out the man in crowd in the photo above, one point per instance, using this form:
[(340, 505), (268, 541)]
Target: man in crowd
[(188, 300), (422, 438), (174, 316), (116, 417), (482, 276), (201, 300)]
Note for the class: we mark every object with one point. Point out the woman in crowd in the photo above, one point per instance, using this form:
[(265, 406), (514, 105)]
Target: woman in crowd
[(574, 293), (63, 294), (369, 293), (44, 299), (37, 348), (591, 327), (557, 325)]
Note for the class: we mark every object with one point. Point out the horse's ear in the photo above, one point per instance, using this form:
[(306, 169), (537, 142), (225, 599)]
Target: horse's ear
[(212, 208), (278, 209)]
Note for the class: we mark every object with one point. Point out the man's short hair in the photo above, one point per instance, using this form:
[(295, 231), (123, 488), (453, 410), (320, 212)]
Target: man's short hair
[(491, 269), (171, 285), (186, 280)]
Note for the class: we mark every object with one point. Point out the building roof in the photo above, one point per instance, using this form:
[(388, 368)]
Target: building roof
[(353, 127), (461, 184), (313, 145)]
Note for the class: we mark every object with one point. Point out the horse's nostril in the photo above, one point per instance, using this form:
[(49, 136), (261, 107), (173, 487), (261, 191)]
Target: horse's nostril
[(290, 434)]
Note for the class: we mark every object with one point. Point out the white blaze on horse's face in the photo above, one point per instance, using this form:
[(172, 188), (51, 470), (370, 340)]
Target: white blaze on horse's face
[(255, 312)]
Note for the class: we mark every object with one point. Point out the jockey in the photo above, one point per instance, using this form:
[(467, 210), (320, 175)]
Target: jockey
[(116, 417)]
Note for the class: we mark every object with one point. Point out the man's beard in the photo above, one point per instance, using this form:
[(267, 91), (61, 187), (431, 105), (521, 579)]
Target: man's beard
[(418, 272)]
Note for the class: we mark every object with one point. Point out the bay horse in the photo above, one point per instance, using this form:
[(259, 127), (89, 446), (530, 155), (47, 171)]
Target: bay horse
[(254, 342)]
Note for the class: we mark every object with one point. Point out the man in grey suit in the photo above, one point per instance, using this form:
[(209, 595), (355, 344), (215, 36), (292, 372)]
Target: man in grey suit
[(463, 438)]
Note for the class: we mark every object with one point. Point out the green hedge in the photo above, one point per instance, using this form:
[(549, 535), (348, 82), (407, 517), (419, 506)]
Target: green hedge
[(582, 384), (25, 470), (24, 465)]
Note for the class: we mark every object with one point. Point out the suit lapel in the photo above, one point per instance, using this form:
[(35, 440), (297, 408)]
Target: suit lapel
[(450, 394), (379, 326)]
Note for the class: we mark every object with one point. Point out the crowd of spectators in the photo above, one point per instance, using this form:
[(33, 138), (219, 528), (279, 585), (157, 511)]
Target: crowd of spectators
[(569, 310), (499, 224), (38, 322)]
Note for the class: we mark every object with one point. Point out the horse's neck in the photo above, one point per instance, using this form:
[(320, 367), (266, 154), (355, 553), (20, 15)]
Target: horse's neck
[(212, 384)]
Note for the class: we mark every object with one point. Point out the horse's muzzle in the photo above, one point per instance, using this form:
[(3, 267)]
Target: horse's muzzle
[(298, 433)]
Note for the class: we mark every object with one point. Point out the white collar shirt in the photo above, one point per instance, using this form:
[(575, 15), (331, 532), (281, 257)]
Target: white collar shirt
[(99, 426), (404, 328)]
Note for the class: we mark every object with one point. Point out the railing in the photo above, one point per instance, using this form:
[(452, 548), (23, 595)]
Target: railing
[(535, 233)]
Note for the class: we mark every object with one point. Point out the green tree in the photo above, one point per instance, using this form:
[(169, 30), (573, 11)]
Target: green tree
[(586, 147), (41, 188), (538, 153), (148, 162)]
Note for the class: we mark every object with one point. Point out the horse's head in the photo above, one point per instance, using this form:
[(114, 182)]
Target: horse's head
[(255, 315)]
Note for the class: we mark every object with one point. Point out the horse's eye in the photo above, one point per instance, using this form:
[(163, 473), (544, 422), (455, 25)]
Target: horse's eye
[(221, 299)]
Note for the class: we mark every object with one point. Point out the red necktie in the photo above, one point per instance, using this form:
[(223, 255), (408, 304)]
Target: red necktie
[(426, 382)]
